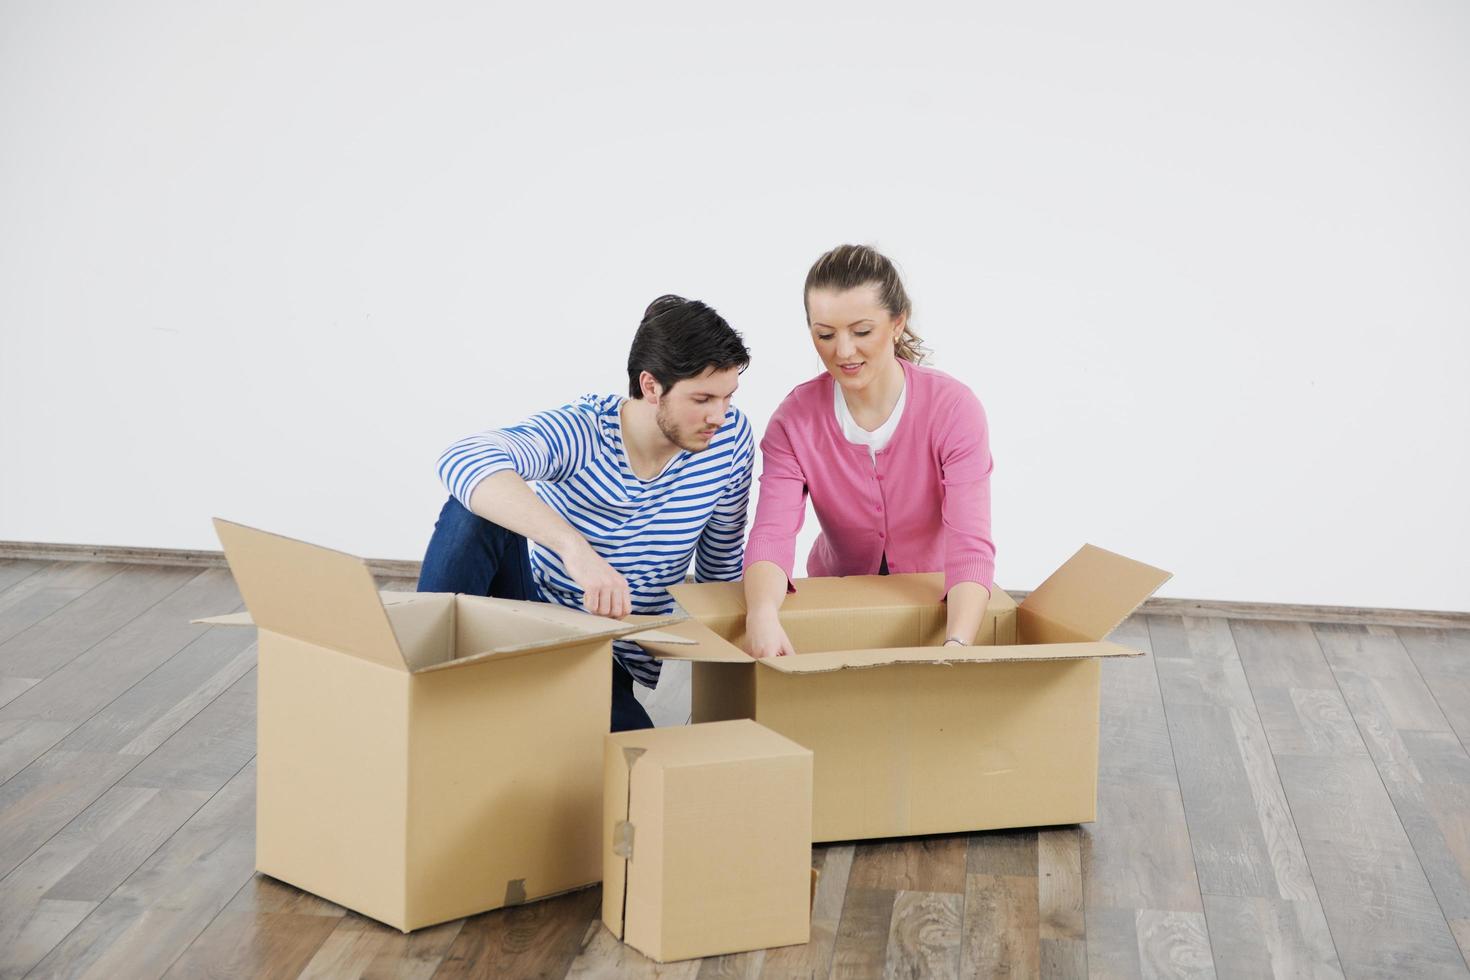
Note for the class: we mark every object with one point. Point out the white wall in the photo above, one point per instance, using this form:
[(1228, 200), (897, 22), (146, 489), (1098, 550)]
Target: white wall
[(1206, 265)]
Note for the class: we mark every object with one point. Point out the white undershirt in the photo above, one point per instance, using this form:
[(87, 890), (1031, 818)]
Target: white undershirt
[(859, 436)]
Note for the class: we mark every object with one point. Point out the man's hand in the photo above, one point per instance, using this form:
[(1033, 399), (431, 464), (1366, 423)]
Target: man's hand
[(766, 637), (604, 591)]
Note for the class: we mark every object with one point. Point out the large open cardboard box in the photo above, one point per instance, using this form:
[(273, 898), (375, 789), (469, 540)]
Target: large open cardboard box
[(421, 757), (910, 737)]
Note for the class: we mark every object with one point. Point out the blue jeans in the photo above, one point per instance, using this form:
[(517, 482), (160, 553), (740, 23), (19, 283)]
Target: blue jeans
[(473, 556)]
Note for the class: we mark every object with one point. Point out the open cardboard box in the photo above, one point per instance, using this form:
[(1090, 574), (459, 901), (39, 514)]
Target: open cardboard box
[(910, 737), (421, 757)]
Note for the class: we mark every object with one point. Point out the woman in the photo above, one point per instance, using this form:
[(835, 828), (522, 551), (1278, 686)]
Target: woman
[(895, 457)]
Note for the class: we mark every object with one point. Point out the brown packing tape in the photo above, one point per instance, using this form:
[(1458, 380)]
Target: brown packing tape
[(515, 891)]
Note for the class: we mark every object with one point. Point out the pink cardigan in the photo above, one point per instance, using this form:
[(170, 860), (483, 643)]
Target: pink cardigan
[(926, 502)]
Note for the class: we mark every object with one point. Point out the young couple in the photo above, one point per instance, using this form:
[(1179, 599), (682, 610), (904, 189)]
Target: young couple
[(895, 458)]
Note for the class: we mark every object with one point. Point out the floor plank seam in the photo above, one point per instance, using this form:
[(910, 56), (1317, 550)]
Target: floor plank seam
[(121, 776), (1174, 760), (1392, 801), (103, 639), (79, 725), (1285, 796), (24, 577), (62, 608), (185, 947), (126, 878), (1419, 673)]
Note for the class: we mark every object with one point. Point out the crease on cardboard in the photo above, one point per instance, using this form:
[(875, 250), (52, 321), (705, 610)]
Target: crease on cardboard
[(623, 834), (826, 663)]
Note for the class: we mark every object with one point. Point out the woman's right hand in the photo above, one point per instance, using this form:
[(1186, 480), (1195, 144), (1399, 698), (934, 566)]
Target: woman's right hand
[(766, 637)]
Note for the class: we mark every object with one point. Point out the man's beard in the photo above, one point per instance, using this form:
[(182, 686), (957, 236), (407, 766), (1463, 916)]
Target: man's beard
[(671, 432)]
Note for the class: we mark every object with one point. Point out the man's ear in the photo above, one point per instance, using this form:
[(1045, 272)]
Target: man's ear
[(652, 390)]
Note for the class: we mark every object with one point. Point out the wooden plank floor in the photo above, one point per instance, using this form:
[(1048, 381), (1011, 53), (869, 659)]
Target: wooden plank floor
[(1276, 799)]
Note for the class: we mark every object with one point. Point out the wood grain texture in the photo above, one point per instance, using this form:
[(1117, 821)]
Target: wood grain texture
[(1002, 935), (1364, 667), (539, 939), (1062, 921), (924, 935), (48, 591), (256, 944), (68, 696), (601, 957), (161, 908), (1137, 854), (861, 949), (1112, 944), (1270, 937), (359, 948), (1443, 659), (733, 966), (1059, 884), (1240, 824), (921, 864), (1173, 945), (71, 631), (1384, 917)]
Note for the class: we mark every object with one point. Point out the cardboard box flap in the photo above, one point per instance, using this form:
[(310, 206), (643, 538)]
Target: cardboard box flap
[(233, 619), (819, 663), (691, 640), (317, 595), (711, 600), (1094, 591), (243, 618), (490, 629)]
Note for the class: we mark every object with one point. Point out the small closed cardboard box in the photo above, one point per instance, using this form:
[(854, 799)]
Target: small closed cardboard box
[(421, 757), (911, 737), (706, 840)]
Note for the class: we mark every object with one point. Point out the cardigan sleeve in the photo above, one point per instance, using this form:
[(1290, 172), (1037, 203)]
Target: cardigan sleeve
[(965, 465), (781, 508)]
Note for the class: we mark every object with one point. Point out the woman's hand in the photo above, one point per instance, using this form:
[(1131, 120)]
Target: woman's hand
[(766, 637)]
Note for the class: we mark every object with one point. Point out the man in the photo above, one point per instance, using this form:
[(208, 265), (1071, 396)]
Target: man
[(626, 491)]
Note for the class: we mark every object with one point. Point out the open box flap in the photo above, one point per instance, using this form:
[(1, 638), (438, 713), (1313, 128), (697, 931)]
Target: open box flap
[(1094, 591), (314, 594), (570, 627), (713, 600), (691, 640), (393, 598), (818, 663)]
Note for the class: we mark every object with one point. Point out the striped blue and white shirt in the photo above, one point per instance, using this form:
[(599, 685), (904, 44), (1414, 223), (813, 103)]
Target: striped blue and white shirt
[(648, 530)]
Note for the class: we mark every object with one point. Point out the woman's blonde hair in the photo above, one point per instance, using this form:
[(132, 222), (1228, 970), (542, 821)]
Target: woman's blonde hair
[(850, 266)]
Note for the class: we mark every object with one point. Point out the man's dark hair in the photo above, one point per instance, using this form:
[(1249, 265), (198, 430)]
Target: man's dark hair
[(682, 338)]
